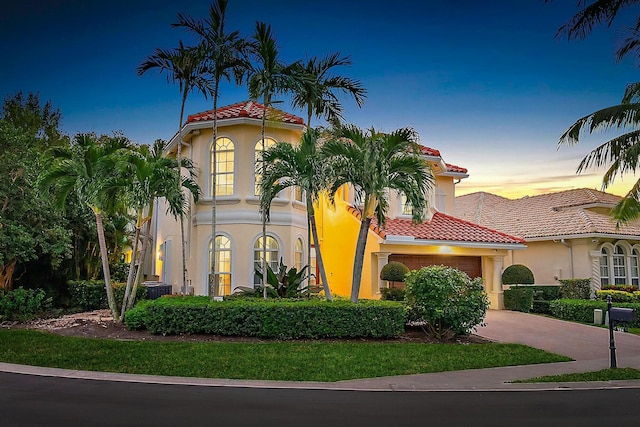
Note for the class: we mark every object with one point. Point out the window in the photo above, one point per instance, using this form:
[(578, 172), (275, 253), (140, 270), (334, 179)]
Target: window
[(633, 264), (222, 269), (299, 254), (619, 270), (604, 267), (224, 167), (268, 142), (272, 251), (405, 206)]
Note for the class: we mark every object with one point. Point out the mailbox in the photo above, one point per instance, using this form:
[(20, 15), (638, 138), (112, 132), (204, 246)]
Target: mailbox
[(618, 314)]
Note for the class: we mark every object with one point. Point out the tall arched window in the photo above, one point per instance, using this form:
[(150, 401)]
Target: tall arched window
[(405, 206), (222, 264), (268, 142), (224, 167), (619, 270), (633, 265), (273, 256), (299, 254), (604, 267)]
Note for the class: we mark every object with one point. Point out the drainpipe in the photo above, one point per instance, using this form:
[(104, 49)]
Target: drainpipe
[(564, 243)]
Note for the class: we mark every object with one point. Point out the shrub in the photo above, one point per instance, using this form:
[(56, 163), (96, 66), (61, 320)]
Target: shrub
[(394, 271), (575, 288), (517, 274), (518, 298), (119, 271), (23, 304), (137, 317), (87, 295), (287, 282), (282, 319), (392, 294), (582, 310), (542, 295), (446, 299), (625, 288), (616, 296)]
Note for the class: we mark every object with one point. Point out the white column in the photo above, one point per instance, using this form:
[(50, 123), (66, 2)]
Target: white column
[(595, 271), (496, 294), (382, 259)]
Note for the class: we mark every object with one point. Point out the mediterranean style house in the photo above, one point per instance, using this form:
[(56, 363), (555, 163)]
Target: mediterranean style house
[(569, 234), (440, 239)]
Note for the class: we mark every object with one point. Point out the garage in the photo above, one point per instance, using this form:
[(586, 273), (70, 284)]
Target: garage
[(472, 265)]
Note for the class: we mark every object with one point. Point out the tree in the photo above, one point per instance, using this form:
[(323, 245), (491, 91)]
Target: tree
[(185, 66), (620, 154), (599, 12), (267, 77), (224, 55), (152, 176), (317, 92), (30, 230), (374, 163), (87, 169), (288, 166)]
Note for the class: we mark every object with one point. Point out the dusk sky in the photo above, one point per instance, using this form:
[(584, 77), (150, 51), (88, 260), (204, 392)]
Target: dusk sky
[(485, 82)]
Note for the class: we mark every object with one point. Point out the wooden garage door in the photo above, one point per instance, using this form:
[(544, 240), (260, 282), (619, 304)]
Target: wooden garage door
[(472, 265)]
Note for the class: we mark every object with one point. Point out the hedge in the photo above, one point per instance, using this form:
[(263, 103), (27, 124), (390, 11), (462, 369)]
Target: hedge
[(87, 295), (618, 296), (582, 310), (269, 319), (518, 298), (575, 288)]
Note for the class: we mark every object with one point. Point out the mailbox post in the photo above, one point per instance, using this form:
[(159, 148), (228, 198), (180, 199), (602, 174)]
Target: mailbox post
[(617, 315)]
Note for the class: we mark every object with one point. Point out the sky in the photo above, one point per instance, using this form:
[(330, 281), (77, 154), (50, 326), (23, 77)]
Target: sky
[(487, 83)]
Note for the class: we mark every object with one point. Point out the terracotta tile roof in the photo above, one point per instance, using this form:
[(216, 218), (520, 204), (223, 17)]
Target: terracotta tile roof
[(571, 212), (249, 109), (440, 227), (427, 151), (454, 168)]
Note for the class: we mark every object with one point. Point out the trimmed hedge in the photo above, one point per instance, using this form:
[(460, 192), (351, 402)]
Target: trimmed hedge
[(575, 288), (582, 310), (87, 295), (270, 319), (518, 298), (618, 296), (517, 274), (542, 295), (392, 294)]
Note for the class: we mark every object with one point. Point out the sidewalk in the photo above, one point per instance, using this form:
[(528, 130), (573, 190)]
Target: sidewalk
[(587, 345)]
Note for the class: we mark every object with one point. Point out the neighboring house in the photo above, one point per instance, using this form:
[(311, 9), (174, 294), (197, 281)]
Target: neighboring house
[(441, 239), (568, 234)]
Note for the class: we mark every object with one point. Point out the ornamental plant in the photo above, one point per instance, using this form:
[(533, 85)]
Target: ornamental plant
[(517, 274), (394, 271), (445, 300)]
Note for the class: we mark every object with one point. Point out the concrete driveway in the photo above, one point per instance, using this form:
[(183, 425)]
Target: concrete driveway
[(580, 342)]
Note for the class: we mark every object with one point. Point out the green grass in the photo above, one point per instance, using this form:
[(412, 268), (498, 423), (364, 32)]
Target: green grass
[(290, 361), (603, 375)]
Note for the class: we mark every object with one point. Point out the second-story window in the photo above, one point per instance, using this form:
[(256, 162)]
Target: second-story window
[(268, 142), (224, 167), (405, 206)]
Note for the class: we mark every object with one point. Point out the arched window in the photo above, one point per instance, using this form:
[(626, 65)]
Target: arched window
[(268, 142), (604, 267), (619, 270), (633, 265), (224, 167), (273, 256), (299, 254), (222, 264)]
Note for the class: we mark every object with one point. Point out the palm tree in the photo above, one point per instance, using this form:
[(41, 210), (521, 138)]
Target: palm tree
[(620, 154), (269, 76), (374, 163), (288, 166), (152, 176), (317, 94), (602, 12), (185, 66), (225, 54), (87, 168)]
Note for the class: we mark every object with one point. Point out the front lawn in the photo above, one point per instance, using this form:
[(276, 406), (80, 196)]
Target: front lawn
[(603, 375), (287, 361)]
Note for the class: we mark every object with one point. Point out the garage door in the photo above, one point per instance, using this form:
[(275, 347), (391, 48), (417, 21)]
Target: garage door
[(472, 265)]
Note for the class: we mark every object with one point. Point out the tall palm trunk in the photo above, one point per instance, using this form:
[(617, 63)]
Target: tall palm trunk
[(132, 265), (105, 266), (264, 220), (359, 258), (323, 275), (183, 243), (213, 279), (145, 245)]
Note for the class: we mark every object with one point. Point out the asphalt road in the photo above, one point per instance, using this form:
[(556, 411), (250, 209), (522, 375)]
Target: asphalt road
[(27, 400)]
